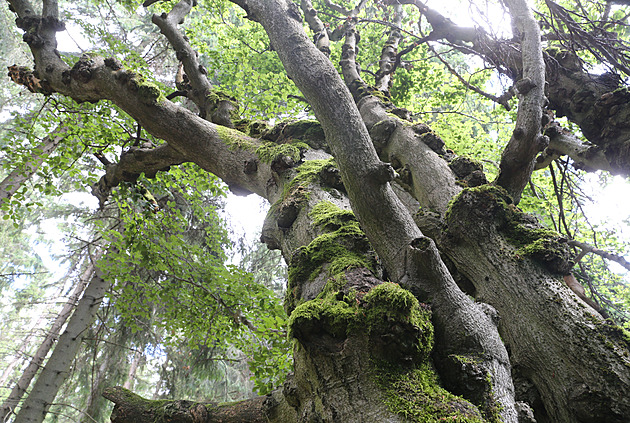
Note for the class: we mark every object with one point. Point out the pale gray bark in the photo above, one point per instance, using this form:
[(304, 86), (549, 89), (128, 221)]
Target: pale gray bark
[(131, 374), (517, 160), (383, 217), (57, 368), (14, 180), (407, 255), (11, 402), (584, 156)]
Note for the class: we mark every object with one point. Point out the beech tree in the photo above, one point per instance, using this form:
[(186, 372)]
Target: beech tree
[(418, 289)]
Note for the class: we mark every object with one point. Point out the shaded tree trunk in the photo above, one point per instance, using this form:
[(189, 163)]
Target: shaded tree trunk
[(57, 368), (14, 180), (364, 347), (133, 368), (12, 401)]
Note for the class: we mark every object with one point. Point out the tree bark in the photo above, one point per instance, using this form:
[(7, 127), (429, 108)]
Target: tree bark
[(517, 160), (133, 368), (334, 274), (12, 401), (131, 408), (57, 368), (14, 180)]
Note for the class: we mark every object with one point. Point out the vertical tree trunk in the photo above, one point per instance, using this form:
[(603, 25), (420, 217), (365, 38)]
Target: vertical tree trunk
[(95, 391), (38, 358), (57, 369), (20, 353), (131, 374)]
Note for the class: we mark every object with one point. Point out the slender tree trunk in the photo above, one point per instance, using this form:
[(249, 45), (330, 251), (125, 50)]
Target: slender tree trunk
[(131, 374), (57, 368), (23, 383), (14, 180), (20, 354), (95, 391)]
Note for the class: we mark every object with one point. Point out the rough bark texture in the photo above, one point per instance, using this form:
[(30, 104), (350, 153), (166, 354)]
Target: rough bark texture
[(357, 337), (555, 339), (131, 408), (517, 160)]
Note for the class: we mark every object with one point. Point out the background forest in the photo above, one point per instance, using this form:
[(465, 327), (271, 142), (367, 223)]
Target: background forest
[(191, 307)]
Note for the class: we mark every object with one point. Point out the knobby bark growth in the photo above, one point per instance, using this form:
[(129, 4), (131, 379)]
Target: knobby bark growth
[(345, 216)]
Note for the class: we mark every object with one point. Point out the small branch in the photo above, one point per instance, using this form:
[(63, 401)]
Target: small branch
[(321, 38), (346, 12), (502, 100), (561, 142), (217, 110), (390, 58), (586, 248)]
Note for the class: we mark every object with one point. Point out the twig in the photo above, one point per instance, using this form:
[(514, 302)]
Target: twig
[(605, 254)]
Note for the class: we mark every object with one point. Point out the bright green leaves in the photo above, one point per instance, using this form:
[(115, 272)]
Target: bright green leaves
[(171, 272), (238, 56)]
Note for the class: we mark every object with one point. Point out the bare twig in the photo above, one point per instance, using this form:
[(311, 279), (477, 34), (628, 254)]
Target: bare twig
[(605, 254)]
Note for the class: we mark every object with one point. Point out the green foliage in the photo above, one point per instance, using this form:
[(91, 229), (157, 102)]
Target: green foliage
[(241, 61), (169, 267)]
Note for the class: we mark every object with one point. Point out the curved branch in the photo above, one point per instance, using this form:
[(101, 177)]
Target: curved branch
[(503, 100), (225, 152), (586, 248), (215, 108), (517, 160), (321, 38), (132, 163), (563, 143)]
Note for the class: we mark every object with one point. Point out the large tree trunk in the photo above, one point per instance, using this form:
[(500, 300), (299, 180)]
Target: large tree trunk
[(364, 348)]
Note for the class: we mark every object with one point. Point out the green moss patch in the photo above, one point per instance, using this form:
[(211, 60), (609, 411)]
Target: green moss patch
[(345, 246), (149, 92), (235, 139), (416, 395), (374, 314), (269, 151), (491, 205)]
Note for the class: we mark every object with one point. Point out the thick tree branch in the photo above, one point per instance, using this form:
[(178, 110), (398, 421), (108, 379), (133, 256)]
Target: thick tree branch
[(132, 163), (383, 217), (563, 143), (212, 105), (132, 408), (517, 160), (222, 151)]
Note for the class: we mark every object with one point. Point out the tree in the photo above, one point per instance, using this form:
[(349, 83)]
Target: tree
[(38, 358), (373, 300)]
